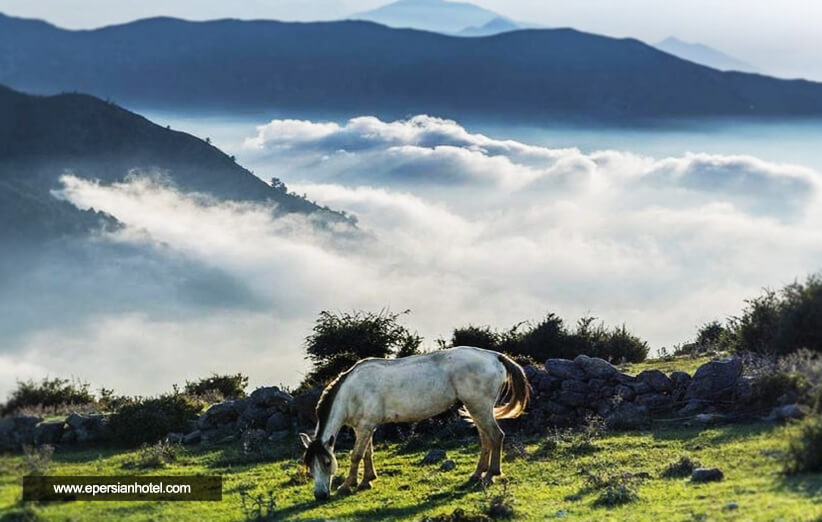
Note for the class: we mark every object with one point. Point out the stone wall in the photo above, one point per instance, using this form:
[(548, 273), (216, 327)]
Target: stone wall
[(565, 393)]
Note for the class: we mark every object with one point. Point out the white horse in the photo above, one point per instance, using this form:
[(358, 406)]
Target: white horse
[(377, 391)]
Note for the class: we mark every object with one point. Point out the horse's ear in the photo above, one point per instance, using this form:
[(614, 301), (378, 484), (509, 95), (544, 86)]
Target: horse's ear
[(331, 440), (306, 439)]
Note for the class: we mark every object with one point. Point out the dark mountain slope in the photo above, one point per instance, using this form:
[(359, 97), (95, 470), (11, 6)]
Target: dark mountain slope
[(42, 138), (354, 67)]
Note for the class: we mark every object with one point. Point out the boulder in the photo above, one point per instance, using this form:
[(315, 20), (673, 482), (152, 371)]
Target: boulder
[(305, 404), (448, 465), (553, 407), (174, 438), (277, 422), (656, 402), (641, 387), (572, 399), (707, 475), (75, 420), (18, 429), (628, 416), (624, 378), (787, 412), (692, 407), (680, 379), (596, 367), (49, 432), (574, 386), (218, 415), (272, 397), (434, 456), (256, 416), (656, 380), (564, 369), (597, 384), (193, 437), (547, 383), (743, 392), (625, 392), (715, 379)]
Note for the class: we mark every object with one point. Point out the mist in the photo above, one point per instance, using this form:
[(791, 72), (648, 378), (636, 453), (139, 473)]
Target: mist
[(456, 226)]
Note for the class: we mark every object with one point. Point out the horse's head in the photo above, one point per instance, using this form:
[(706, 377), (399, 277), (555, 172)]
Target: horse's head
[(321, 462)]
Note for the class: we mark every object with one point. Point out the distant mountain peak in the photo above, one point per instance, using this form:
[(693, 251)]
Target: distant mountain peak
[(703, 55), (440, 16)]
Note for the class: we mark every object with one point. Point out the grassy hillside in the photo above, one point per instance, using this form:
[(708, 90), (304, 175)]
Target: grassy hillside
[(559, 476)]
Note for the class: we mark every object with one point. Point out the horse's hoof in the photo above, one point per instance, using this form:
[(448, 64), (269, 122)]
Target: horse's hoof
[(490, 478), (471, 482), (364, 485), (344, 490)]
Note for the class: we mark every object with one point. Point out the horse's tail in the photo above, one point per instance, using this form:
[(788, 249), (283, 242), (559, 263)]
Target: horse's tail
[(518, 388)]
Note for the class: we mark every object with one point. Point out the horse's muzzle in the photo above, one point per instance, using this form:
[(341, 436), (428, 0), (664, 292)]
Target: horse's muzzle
[(321, 495)]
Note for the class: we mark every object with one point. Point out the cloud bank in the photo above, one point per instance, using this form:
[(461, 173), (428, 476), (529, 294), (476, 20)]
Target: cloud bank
[(457, 226)]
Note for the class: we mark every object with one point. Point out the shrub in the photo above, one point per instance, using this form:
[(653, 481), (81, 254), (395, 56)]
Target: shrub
[(710, 334), (147, 420), (797, 375), (260, 507), (227, 386), (681, 468), (48, 393), (158, 455), (780, 322), (479, 336), (338, 341), (804, 453), (37, 459)]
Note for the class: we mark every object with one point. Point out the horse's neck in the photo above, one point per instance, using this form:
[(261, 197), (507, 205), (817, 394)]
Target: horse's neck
[(336, 418)]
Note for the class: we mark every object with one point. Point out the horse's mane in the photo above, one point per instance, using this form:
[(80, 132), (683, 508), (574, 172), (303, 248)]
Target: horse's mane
[(329, 394)]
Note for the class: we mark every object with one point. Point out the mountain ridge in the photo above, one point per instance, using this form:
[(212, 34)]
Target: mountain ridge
[(354, 67)]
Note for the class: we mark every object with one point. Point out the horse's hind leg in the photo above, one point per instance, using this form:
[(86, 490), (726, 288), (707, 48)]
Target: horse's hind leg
[(496, 435), (485, 454), (369, 474)]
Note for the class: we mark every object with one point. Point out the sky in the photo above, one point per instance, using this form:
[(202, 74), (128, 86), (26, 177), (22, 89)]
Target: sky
[(781, 38)]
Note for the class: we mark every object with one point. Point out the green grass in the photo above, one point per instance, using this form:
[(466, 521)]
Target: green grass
[(544, 485), (684, 363)]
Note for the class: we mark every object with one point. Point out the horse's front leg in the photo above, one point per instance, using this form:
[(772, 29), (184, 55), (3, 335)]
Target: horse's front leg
[(356, 456), (369, 473)]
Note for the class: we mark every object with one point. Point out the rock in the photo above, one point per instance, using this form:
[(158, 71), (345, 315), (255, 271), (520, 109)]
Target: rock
[(256, 416), (272, 396), (641, 387), (174, 438), (305, 404), (624, 391), (790, 411), (531, 371), (574, 386), (75, 420), (547, 383), (692, 407), (709, 418), (572, 399), (278, 435), (743, 392), (604, 408), (564, 369), (733, 506), (628, 416), (715, 379), (240, 405), (554, 408), (596, 367), (253, 439), (707, 475), (277, 422), (68, 437), (597, 384), (434, 456), (17, 430), (655, 402), (49, 432), (656, 380), (193, 437), (680, 379), (218, 415), (624, 378), (448, 465)]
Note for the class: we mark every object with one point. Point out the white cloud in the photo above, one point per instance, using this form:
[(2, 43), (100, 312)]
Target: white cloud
[(661, 244)]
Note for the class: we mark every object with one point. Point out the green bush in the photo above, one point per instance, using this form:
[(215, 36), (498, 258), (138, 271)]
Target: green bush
[(47, 393), (337, 341), (780, 322), (148, 420), (804, 453), (227, 386), (550, 338)]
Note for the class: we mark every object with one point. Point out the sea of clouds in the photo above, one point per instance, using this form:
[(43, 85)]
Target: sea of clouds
[(456, 226)]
